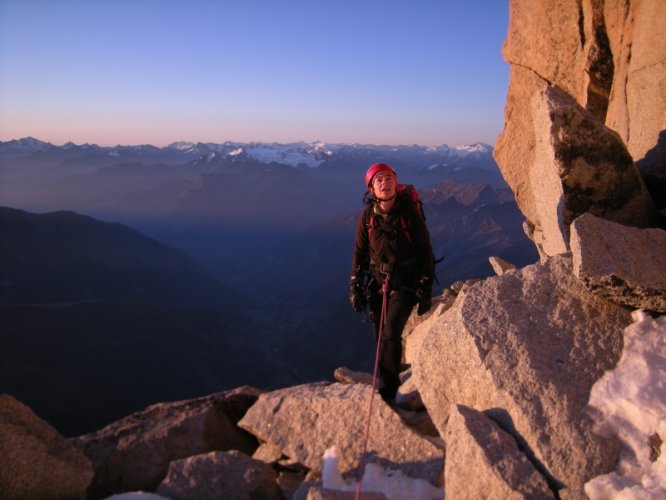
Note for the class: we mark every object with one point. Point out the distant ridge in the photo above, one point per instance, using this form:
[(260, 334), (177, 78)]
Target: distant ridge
[(63, 257)]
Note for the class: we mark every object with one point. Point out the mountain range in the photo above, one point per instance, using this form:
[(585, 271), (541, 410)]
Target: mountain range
[(312, 155)]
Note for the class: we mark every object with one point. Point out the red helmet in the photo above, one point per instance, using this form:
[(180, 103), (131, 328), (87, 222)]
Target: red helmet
[(375, 169)]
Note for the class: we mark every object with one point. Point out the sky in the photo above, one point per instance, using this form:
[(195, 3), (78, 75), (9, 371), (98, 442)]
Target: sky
[(111, 72)]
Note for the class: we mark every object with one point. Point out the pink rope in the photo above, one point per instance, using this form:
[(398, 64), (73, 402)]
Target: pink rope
[(382, 320)]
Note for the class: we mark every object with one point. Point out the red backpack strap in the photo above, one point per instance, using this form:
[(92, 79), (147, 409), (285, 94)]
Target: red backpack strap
[(369, 220)]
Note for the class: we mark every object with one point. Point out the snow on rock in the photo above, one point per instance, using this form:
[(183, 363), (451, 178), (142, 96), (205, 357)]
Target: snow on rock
[(630, 402), (136, 495), (285, 154), (393, 484)]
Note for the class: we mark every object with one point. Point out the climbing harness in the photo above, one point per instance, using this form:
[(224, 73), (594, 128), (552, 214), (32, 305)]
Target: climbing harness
[(382, 321)]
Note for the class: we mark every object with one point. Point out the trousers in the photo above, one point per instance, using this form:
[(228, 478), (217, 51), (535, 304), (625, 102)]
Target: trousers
[(399, 307)]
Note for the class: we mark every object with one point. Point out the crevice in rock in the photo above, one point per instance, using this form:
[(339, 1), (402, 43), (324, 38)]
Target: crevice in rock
[(531, 70), (600, 70), (581, 25), (503, 419)]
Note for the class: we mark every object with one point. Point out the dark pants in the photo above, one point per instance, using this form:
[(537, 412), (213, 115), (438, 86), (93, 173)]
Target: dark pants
[(400, 305)]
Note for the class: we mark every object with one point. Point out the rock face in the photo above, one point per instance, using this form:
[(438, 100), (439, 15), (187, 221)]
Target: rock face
[(637, 102), (475, 441), (36, 461), (217, 475), (134, 453), (304, 421), (526, 348), (610, 260), (572, 75)]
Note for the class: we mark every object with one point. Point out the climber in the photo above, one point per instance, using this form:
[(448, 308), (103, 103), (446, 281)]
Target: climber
[(392, 243)]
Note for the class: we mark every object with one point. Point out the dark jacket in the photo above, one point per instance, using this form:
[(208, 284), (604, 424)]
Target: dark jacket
[(397, 242)]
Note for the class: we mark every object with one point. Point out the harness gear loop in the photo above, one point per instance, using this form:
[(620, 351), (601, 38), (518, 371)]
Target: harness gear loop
[(382, 321)]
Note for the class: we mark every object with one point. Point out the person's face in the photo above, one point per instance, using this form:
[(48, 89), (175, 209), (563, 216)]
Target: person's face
[(384, 185)]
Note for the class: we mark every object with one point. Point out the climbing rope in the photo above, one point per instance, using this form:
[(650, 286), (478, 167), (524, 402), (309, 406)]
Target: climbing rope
[(382, 320)]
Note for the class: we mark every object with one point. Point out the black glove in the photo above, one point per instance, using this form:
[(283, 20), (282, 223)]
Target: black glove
[(356, 295), (424, 295)]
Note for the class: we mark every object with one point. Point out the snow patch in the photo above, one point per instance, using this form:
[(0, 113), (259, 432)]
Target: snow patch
[(284, 154), (136, 495), (394, 484), (630, 402)]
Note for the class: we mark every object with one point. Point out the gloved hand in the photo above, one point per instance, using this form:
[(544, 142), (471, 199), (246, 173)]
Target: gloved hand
[(356, 295), (424, 295)]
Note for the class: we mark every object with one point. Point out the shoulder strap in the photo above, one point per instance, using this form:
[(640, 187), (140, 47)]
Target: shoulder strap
[(369, 218)]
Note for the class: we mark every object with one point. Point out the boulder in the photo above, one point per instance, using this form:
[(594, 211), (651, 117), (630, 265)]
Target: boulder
[(482, 459), (623, 264), (417, 325), (134, 453), (526, 348), (36, 461), (581, 166), (578, 165), (500, 266), (347, 376), (220, 474), (304, 421)]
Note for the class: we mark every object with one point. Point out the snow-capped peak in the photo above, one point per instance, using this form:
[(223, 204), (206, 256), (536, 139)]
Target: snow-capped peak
[(181, 145)]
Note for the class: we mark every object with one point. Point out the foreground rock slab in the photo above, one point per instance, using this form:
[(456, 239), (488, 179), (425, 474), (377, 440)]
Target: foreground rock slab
[(482, 458), (526, 348), (623, 264), (304, 421), (219, 474), (134, 453), (35, 460)]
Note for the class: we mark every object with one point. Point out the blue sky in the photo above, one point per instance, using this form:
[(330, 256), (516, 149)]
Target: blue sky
[(147, 71)]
